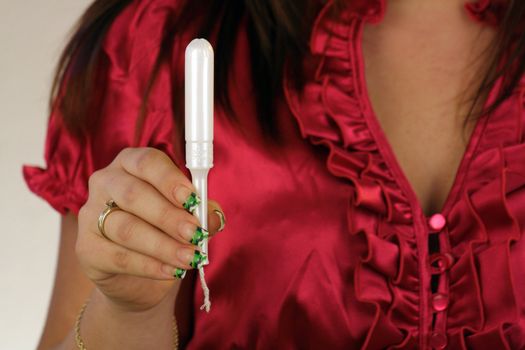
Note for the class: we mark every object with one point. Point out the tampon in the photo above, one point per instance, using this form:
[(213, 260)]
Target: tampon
[(198, 88)]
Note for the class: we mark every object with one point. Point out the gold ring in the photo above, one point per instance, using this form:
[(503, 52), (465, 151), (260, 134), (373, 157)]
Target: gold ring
[(111, 206)]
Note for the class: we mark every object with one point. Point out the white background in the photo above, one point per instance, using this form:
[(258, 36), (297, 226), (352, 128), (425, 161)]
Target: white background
[(32, 33)]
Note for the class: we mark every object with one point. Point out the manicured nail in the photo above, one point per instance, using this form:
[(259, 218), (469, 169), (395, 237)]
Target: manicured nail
[(187, 230), (186, 254), (179, 273), (188, 199), (199, 235), (192, 202), (198, 259), (172, 271), (222, 218)]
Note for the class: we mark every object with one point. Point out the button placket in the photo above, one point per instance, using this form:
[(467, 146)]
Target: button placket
[(439, 264)]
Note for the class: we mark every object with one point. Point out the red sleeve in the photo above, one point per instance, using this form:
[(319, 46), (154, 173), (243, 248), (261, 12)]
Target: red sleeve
[(130, 48)]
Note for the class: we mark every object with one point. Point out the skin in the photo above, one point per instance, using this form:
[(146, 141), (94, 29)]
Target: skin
[(422, 64), (129, 278), (418, 80)]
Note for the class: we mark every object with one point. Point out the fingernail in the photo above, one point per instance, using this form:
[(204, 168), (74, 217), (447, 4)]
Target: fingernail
[(187, 230), (179, 273), (186, 255), (172, 271), (222, 218), (192, 202), (199, 259), (188, 199), (199, 235)]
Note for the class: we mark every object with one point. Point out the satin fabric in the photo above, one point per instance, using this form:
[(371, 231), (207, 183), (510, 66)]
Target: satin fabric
[(325, 245)]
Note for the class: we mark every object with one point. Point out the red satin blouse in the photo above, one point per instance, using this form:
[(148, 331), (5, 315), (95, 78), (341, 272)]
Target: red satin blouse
[(326, 246)]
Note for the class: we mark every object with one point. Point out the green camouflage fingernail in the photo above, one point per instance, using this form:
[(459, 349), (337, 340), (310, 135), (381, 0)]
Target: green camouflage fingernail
[(192, 202), (199, 259), (179, 273), (200, 235), (222, 219)]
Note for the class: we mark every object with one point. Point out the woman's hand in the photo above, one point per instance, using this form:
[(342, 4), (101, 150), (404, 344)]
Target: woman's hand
[(150, 238)]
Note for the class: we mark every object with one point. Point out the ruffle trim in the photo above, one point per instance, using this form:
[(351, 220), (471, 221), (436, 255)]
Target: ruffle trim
[(490, 12), (485, 236), (61, 196), (329, 112), (483, 227)]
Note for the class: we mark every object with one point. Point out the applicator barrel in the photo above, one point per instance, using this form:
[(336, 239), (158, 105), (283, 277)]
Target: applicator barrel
[(199, 104)]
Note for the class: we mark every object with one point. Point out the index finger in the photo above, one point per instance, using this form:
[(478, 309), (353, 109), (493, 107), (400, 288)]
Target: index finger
[(157, 168)]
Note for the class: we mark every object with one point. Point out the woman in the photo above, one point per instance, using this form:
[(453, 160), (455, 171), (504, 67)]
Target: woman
[(374, 181)]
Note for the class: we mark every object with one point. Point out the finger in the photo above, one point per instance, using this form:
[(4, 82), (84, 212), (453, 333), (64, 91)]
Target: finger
[(135, 234), (186, 231), (142, 200), (216, 218), (156, 168), (104, 257)]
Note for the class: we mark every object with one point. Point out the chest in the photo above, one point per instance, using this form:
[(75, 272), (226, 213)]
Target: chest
[(420, 86)]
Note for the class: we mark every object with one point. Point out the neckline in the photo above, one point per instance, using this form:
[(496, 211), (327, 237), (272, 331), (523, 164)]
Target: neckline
[(386, 149), (490, 12)]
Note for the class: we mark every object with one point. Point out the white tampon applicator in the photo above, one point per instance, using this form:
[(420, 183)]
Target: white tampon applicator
[(198, 89)]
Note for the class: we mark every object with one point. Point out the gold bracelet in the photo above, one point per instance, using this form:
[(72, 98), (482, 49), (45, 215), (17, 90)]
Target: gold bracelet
[(80, 342)]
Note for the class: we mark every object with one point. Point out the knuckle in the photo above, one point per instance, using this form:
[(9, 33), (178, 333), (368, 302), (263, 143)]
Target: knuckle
[(120, 259), (125, 153), (146, 158)]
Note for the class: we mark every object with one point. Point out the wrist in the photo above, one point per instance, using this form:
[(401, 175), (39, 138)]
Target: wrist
[(108, 325), (133, 309)]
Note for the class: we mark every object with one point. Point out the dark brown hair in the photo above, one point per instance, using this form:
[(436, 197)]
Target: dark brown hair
[(277, 30)]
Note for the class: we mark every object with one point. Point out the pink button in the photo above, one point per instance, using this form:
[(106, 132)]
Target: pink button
[(437, 222), (439, 301), (438, 340)]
